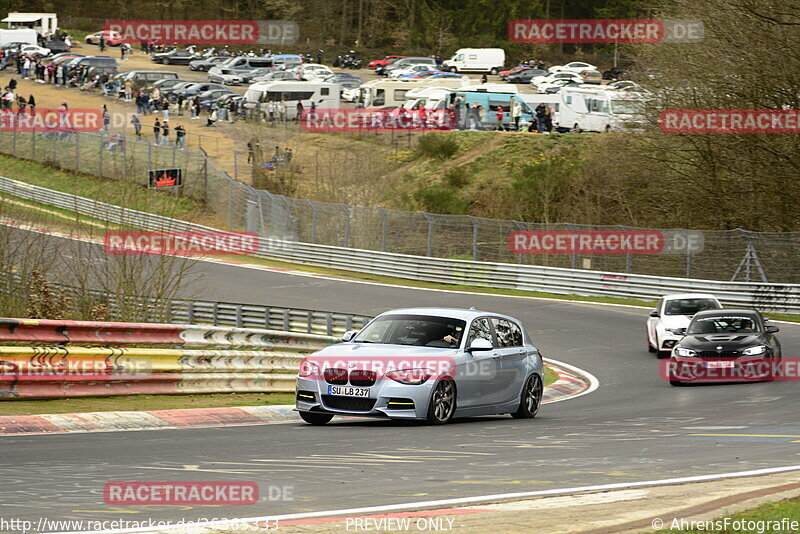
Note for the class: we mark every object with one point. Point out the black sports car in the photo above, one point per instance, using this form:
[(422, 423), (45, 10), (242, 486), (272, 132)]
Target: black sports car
[(724, 346), (174, 57)]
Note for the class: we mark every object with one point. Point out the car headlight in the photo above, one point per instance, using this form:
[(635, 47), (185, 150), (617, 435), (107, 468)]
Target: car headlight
[(755, 351), (683, 351), (413, 377), (307, 369)]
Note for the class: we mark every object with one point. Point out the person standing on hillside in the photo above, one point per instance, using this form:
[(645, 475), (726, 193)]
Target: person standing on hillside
[(165, 133), (516, 112), (500, 115), (157, 132), (137, 126), (32, 105), (180, 137), (102, 43)]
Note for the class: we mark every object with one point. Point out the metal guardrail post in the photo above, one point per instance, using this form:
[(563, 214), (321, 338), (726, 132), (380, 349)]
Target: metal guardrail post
[(313, 220), (329, 324), (215, 314), (239, 316), (348, 322), (346, 210), (474, 222), (384, 224), (286, 320), (190, 312)]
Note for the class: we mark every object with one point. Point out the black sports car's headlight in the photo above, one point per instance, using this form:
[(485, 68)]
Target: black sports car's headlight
[(755, 351), (686, 353)]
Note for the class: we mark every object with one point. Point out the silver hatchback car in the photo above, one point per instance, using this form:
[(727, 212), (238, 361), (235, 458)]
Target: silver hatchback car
[(425, 363)]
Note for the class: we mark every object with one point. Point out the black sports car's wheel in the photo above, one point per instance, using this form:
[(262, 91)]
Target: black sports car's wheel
[(531, 399), (442, 405), (316, 418)]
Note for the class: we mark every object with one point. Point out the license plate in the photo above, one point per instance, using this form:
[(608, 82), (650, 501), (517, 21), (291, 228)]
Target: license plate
[(348, 391), (720, 365)]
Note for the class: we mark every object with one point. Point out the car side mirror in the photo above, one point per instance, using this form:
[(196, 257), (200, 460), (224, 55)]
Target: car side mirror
[(679, 331), (773, 330), (654, 313), (480, 344), (349, 335)]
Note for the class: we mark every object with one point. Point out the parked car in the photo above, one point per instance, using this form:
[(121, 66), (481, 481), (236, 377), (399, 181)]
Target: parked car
[(672, 312), (345, 81), (174, 57), (249, 75), (165, 84), (277, 76), (189, 91), (146, 77), (540, 82), (725, 345), (575, 66), (224, 76), (465, 363), (96, 64), (380, 69), (519, 68), (592, 76), (57, 46), (375, 63), (525, 76), (208, 98), (170, 92), (312, 71), (404, 62), (111, 38), (204, 64), (555, 86), (34, 51), (411, 70)]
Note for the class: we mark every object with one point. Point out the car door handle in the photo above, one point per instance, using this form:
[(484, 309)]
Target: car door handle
[(496, 356)]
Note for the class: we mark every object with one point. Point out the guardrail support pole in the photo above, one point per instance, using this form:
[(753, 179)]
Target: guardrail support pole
[(346, 210), (429, 245), (190, 312), (384, 226), (474, 237), (329, 324), (239, 316)]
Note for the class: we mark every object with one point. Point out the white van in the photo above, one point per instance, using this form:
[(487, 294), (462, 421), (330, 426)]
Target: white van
[(489, 60), (324, 95), (428, 97), (382, 93), (17, 36), (600, 110)]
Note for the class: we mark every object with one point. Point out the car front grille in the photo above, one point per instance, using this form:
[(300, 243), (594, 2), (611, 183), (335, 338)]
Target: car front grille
[(362, 378), (348, 403), (715, 353), (358, 377), (337, 377)]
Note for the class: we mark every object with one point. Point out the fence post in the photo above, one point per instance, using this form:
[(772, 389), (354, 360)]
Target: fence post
[(313, 221), (430, 233), (33, 146), (77, 152), (474, 237), (230, 205), (100, 138), (124, 157), (688, 256), (384, 224), (14, 142), (346, 210)]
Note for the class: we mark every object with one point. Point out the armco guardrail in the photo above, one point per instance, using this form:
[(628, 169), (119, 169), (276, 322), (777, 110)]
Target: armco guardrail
[(202, 312), (266, 361), (784, 298)]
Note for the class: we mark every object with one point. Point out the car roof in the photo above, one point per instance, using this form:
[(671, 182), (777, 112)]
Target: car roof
[(726, 312), (675, 296), (454, 313)]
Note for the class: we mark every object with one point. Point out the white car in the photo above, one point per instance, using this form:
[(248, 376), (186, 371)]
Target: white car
[(224, 76), (539, 81), (575, 66), (312, 71), (675, 311), (411, 69), (33, 50)]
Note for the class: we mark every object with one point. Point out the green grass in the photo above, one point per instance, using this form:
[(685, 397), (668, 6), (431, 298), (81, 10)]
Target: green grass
[(142, 403), (774, 511), (115, 192), (550, 376)]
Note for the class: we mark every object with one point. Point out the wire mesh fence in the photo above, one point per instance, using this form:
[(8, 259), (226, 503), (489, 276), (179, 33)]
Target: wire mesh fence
[(722, 255)]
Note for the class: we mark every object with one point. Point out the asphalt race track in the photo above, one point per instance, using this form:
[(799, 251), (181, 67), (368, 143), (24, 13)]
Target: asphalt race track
[(635, 427)]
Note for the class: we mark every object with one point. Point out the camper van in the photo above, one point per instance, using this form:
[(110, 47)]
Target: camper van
[(324, 96), (382, 93), (427, 97), (489, 60), (584, 109), (465, 100)]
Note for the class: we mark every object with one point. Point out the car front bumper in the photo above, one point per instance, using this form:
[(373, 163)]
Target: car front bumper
[(744, 369), (387, 398)]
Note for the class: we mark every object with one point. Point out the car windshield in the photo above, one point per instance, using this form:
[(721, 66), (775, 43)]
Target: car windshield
[(415, 330), (738, 324), (689, 306)]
